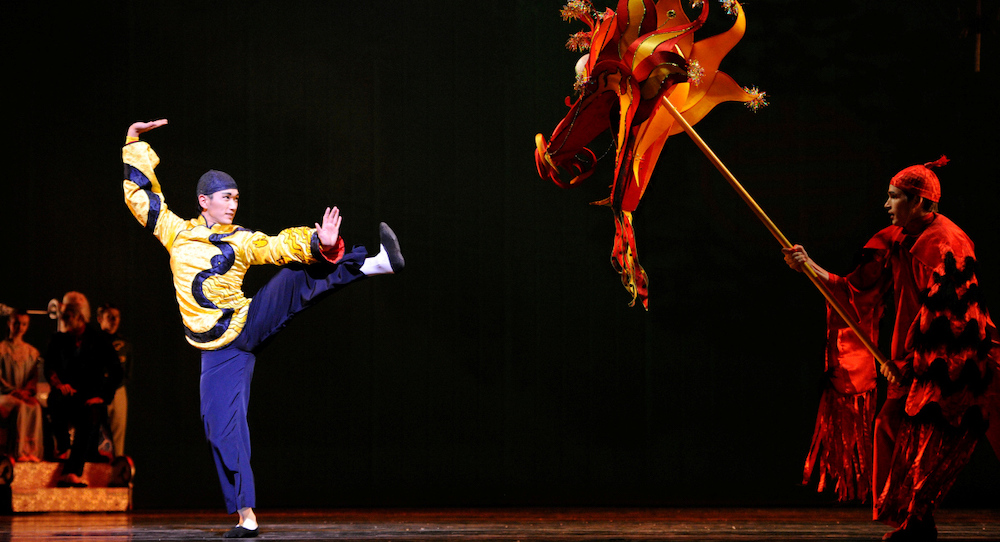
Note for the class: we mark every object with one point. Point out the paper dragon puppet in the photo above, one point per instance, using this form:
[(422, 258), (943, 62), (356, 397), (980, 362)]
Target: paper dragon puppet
[(641, 55)]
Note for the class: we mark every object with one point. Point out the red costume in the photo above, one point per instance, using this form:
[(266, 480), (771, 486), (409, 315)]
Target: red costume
[(943, 345)]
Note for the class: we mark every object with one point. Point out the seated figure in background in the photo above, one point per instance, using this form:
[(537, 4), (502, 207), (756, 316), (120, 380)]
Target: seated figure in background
[(83, 369), (110, 317), (19, 362)]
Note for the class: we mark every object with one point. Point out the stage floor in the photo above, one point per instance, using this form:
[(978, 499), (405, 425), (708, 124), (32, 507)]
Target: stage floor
[(548, 524)]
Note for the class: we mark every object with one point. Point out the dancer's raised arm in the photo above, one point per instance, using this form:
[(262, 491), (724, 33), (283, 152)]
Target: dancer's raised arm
[(140, 127)]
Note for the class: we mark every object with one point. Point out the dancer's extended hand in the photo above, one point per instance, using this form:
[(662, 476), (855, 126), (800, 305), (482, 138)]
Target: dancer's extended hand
[(795, 257), (329, 232), (140, 127)]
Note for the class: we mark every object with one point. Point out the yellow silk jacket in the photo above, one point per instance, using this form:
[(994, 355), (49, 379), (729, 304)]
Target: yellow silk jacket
[(208, 264)]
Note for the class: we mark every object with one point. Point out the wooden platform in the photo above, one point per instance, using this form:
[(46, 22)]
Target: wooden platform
[(33, 489), (592, 525)]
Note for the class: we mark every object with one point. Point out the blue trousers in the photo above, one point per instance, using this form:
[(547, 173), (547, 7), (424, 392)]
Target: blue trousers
[(226, 373)]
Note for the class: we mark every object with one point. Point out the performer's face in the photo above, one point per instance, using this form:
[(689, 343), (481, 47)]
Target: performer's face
[(220, 207), (72, 319), (901, 207), (18, 324), (109, 320)]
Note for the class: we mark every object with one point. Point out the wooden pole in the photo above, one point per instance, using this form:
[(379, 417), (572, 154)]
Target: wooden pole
[(886, 368)]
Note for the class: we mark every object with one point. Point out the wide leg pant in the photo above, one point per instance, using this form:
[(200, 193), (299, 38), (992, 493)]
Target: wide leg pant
[(226, 373), (29, 437)]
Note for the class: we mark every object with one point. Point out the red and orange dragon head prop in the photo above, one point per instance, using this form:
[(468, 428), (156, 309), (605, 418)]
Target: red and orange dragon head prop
[(641, 55)]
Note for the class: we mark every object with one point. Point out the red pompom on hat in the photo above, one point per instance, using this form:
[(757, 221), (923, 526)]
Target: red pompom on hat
[(920, 180)]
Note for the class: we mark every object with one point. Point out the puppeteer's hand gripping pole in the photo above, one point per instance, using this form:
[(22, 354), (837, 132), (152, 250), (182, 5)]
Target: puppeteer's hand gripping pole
[(886, 368)]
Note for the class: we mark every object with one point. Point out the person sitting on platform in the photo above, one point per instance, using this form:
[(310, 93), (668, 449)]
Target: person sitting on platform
[(19, 363), (110, 317), (82, 304), (83, 369)]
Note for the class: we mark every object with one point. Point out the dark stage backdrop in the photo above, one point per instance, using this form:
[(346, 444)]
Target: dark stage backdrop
[(504, 367)]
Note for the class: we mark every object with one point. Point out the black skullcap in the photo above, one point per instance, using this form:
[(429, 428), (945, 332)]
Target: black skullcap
[(213, 181)]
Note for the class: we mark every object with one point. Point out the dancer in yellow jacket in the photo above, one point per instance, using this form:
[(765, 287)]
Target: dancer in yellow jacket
[(209, 257)]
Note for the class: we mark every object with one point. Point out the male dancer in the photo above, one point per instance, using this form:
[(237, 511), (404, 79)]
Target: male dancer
[(209, 256), (942, 345)]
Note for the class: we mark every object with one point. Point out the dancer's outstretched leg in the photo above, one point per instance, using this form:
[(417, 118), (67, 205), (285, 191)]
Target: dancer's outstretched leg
[(389, 258), (293, 290)]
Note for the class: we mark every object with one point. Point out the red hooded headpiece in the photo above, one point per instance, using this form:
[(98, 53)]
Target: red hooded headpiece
[(920, 180)]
